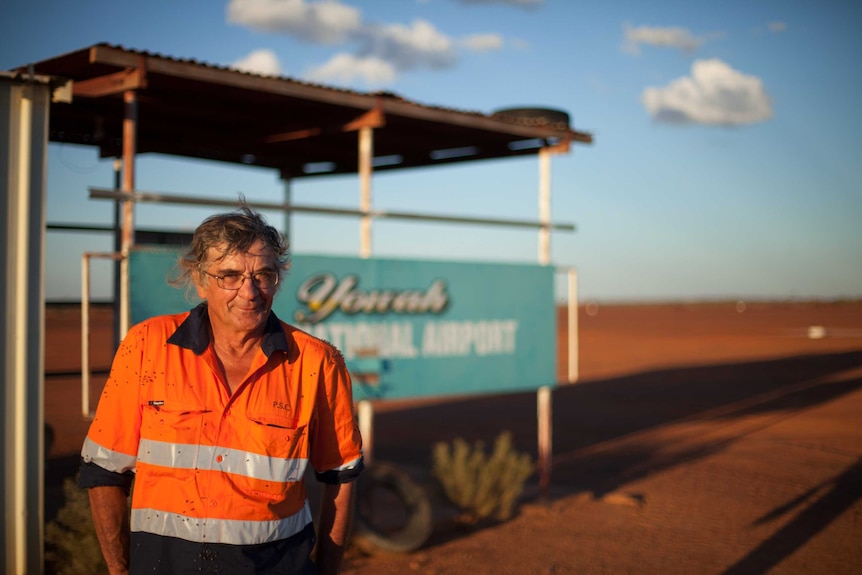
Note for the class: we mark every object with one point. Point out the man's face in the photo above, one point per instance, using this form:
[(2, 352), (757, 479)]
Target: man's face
[(242, 310)]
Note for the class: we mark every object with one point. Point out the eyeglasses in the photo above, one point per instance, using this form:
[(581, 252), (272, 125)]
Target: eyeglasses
[(234, 280)]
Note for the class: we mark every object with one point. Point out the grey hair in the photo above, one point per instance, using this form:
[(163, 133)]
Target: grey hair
[(233, 232)]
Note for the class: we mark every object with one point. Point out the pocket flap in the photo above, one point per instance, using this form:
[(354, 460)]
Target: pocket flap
[(175, 406), (273, 420)]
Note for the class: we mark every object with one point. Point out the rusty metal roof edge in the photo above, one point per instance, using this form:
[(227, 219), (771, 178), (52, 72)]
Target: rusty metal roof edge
[(107, 53), (112, 54)]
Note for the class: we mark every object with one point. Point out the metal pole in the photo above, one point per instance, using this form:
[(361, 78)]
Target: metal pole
[(545, 206), (128, 236), (287, 213), (24, 112), (366, 151), (85, 335), (545, 432), (573, 325), (365, 414), (85, 325), (155, 197), (118, 247)]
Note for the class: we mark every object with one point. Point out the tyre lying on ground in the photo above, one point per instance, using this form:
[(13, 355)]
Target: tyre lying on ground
[(393, 513)]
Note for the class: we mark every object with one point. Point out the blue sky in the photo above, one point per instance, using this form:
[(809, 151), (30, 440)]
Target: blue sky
[(726, 162)]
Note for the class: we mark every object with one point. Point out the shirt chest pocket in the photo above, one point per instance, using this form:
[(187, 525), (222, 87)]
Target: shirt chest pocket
[(172, 422), (276, 435)]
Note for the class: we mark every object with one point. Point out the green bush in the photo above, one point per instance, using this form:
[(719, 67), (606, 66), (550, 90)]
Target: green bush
[(482, 485), (72, 547)]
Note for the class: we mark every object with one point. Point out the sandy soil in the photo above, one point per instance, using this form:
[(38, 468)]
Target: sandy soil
[(699, 438)]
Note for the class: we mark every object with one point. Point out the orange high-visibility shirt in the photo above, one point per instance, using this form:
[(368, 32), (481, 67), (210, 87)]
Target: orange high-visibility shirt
[(216, 467)]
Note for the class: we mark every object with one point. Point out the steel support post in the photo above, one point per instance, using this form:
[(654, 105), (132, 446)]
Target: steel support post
[(366, 153), (24, 112)]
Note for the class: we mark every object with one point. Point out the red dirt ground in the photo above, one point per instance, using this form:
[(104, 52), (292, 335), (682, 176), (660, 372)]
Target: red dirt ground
[(699, 439)]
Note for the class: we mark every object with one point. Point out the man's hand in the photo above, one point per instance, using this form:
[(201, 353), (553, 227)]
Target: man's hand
[(335, 509), (110, 510)]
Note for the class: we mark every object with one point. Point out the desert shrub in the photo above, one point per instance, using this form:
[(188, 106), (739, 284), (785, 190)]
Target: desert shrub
[(479, 484), (72, 547)]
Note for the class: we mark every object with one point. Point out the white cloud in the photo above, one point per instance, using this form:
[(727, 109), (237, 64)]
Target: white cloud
[(714, 94), (678, 38), (482, 42), (777, 27), (381, 51), (346, 68), (408, 47), (326, 22), (262, 62)]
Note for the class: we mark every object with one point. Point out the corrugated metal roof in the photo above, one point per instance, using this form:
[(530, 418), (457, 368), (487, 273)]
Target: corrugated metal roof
[(194, 109)]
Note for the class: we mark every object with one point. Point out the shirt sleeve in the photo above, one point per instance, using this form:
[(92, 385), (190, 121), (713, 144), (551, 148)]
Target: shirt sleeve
[(336, 444), (112, 440), (91, 475)]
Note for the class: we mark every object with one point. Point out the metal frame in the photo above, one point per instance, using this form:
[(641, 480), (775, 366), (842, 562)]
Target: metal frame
[(85, 325), (365, 214), (365, 411)]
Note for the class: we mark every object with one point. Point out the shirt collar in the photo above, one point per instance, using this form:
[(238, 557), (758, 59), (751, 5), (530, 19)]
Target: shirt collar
[(194, 333)]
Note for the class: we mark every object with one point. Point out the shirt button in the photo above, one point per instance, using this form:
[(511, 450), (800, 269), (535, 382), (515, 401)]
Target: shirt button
[(213, 503), (219, 458)]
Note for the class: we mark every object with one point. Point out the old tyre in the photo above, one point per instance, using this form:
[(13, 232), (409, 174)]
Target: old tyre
[(393, 514), (534, 117)]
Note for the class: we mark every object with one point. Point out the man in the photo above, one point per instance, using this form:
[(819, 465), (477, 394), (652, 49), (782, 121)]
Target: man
[(216, 413)]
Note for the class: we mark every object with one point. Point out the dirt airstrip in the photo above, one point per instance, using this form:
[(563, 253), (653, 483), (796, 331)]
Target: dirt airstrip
[(715, 438)]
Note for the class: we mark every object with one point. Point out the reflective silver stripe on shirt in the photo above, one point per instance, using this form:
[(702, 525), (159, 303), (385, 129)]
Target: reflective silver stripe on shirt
[(105, 458), (230, 531), (209, 457)]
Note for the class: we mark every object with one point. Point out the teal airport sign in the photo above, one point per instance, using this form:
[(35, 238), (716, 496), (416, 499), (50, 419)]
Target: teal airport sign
[(406, 328)]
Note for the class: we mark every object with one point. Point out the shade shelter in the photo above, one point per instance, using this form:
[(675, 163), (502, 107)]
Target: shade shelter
[(127, 102), (192, 109)]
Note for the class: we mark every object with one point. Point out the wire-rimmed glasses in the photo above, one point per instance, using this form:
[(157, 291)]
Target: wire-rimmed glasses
[(235, 280)]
